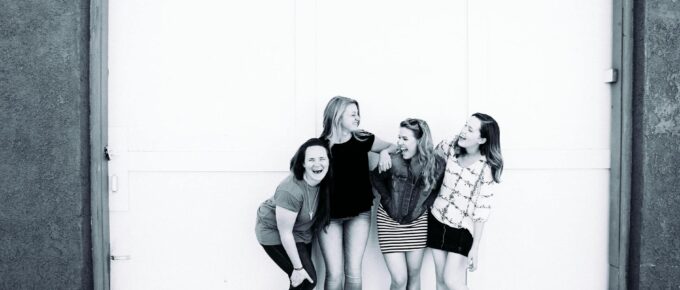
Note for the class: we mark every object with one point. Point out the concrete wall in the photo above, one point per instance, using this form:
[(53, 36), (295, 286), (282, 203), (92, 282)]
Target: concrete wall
[(655, 219), (44, 145)]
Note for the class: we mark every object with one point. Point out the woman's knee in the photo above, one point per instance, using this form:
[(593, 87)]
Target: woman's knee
[(439, 276), (413, 277), (352, 282), (334, 274), (353, 270), (353, 264), (413, 272), (454, 284), (399, 281)]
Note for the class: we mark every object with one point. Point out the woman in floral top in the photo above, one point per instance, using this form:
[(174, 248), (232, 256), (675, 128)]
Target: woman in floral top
[(473, 168)]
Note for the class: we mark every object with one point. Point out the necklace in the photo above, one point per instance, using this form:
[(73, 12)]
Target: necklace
[(310, 203)]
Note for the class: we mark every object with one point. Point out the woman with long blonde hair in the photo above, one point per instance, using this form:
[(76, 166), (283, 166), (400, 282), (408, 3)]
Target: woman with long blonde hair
[(344, 240), (407, 191)]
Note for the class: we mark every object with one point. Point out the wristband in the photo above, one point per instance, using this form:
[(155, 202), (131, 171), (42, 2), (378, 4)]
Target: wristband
[(299, 269)]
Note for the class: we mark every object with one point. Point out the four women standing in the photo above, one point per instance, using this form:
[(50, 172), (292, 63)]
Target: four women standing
[(413, 185)]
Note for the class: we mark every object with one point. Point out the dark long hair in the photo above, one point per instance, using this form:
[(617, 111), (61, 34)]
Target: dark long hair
[(298, 170), (425, 147), (491, 148)]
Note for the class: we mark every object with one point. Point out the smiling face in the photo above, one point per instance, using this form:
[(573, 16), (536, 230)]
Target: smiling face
[(316, 163), (407, 143), (350, 118), (470, 136)]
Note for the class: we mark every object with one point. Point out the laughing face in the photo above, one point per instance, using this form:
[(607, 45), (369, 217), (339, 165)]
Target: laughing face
[(407, 143), (470, 135), (316, 163), (350, 118)]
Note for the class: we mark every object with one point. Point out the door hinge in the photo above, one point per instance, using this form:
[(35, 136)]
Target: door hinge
[(107, 154), (611, 76), (120, 257)]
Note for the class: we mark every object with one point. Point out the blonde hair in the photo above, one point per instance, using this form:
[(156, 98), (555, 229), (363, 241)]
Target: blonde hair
[(332, 116)]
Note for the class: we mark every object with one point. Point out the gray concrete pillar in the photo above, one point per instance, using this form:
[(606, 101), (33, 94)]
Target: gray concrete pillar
[(654, 259), (44, 145)]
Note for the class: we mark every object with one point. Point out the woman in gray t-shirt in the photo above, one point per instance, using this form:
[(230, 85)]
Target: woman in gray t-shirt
[(287, 221)]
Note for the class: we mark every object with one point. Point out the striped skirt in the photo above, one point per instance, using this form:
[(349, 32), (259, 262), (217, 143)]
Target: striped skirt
[(394, 237)]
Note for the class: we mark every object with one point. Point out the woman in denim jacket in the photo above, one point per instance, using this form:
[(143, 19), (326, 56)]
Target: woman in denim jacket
[(407, 190)]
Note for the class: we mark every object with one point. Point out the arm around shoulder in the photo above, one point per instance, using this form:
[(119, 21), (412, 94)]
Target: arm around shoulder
[(385, 148), (445, 147), (380, 145)]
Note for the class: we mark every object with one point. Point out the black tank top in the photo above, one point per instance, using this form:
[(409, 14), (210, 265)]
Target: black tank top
[(351, 192)]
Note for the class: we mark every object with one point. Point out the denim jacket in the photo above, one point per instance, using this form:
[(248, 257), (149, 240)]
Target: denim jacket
[(401, 188)]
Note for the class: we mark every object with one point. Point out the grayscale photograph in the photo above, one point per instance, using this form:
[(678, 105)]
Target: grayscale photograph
[(340, 145)]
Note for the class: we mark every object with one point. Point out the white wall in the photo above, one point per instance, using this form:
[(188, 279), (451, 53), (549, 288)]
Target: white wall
[(209, 99)]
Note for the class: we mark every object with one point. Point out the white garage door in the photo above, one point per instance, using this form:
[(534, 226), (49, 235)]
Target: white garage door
[(208, 100)]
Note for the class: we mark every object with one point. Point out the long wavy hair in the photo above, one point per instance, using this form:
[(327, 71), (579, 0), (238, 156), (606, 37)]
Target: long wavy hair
[(323, 216), (491, 148), (332, 116), (425, 154)]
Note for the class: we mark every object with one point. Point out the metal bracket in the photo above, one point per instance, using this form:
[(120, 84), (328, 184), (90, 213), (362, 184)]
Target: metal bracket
[(107, 154), (120, 257), (611, 76)]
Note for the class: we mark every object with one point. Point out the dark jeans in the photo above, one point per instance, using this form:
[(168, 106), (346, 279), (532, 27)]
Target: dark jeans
[(278, 254)]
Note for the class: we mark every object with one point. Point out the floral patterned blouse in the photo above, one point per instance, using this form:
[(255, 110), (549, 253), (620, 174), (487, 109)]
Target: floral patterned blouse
[(466, 193)]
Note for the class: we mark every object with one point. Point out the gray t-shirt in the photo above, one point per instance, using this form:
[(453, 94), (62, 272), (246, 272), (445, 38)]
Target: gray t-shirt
[(294, 195)]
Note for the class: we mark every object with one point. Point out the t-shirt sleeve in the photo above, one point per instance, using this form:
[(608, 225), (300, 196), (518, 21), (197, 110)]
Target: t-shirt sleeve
[(289, 200), (368, 142)]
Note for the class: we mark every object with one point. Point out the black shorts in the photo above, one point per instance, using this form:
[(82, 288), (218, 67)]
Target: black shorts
[(443, 237)]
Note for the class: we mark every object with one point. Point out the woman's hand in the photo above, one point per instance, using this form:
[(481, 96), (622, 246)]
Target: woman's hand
[(299, 276), (385, 162), (472, 260), (384, 148)]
